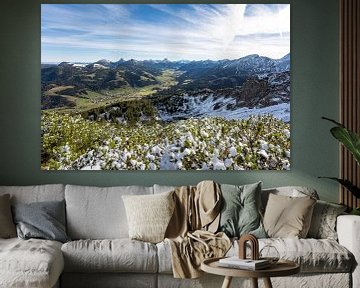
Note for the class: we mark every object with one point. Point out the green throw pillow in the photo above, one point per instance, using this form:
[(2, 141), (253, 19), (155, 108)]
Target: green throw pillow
[(240, 213)]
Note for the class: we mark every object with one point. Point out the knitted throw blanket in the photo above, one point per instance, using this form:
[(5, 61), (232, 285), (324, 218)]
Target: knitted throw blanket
[(191, 231)]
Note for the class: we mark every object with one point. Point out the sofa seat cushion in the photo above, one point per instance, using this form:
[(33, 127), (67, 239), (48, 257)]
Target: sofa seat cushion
[(313, 255), (30, 263), (115, 255)]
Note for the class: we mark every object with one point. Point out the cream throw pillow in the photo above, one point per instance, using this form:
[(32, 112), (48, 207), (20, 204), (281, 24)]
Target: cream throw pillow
[(288, 217), (149, 215)]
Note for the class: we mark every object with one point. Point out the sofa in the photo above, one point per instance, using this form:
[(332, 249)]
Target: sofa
[(100, 253)]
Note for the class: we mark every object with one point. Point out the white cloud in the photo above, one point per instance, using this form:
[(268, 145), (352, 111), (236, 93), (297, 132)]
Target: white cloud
[(214, 32)]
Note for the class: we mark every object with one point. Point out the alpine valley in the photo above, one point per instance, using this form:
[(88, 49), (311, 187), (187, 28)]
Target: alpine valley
[(161, 114)]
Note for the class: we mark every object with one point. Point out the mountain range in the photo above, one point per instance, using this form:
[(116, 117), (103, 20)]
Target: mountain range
[(105, 74), (252, 81)]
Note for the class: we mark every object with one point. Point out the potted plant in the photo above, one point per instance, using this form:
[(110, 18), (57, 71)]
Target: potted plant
[(351, 141)]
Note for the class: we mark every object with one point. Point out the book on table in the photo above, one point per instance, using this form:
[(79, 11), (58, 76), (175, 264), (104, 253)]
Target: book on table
[(236, 262)]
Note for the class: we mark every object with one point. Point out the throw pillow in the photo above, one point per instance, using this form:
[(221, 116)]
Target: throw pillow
[(43, 220), (323, 222), (291, 191), (149, 215), (288, 217), (240, 213), (7, 227)]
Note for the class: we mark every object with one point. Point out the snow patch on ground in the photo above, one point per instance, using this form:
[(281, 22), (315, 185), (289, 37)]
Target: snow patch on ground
[(280, 111), (211, 106)]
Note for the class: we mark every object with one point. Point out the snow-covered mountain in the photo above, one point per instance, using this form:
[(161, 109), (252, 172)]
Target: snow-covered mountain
[(267, 93), (218, 106), (229, 73), (229, 88)]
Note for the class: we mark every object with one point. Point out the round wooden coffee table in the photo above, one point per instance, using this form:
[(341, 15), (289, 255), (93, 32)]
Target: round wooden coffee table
[(281, 268)]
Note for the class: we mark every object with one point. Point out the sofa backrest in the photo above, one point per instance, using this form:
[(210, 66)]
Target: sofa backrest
[(98, 212), (163, 188), (35, 193)]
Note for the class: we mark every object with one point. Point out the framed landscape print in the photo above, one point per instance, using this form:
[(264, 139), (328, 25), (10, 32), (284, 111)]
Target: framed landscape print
[(165, 87)]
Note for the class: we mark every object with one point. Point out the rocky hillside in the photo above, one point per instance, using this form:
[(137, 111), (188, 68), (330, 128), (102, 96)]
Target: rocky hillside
[(265, 93)]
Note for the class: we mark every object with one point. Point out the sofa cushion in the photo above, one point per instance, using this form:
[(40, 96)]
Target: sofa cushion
[(98, 213), (313, 255), (163, 188), (323, 222), (149, 215), (240, 210), (43, 220), (290, 191), (35, 193), (30, 263), (287, 216), (164, 257), (117, 255), (7, 226)]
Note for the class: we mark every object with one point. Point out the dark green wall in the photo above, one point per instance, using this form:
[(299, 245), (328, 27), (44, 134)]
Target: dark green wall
[(314, 85)]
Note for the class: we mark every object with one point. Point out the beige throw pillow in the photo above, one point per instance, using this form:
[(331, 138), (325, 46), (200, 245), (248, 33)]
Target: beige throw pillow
[(288, 217), (7, 226), (149, 215)]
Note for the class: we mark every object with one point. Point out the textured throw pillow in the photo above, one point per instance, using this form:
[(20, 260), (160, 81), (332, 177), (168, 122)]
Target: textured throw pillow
[(149, 215), (323, 222), (288, 217), (43, 220), (240, 210), (7, 226)]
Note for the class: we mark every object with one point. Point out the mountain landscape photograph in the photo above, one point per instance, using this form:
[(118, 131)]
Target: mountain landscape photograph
[(165, 86)]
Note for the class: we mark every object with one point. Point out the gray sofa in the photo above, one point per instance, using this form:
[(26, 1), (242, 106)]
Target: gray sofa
[(101, 255)]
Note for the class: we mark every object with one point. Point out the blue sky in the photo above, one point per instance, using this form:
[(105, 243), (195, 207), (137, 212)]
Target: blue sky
[(89, 32)]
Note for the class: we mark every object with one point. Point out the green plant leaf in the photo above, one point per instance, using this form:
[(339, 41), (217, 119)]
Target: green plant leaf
[(347, 184), (355, 211), (333, 121), (348, 138)]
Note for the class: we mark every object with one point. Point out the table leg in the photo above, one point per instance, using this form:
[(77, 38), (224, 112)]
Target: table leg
[(267, 283), (227, 282), (254, 282)]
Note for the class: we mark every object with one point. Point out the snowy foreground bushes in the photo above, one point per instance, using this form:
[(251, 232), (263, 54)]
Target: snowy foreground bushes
[(73, 143)]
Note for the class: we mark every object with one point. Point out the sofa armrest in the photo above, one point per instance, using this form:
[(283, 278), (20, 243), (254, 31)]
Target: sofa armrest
[(348, 230)]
